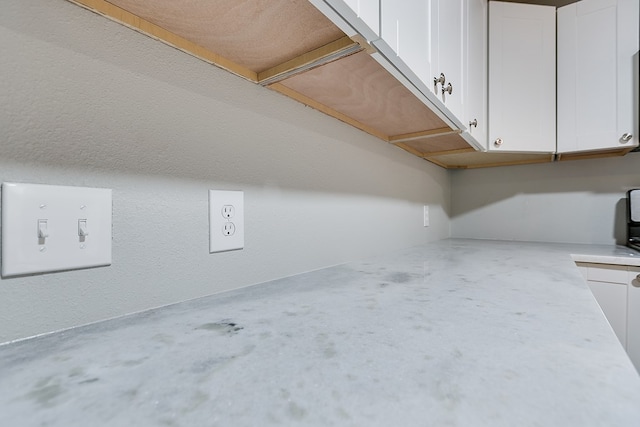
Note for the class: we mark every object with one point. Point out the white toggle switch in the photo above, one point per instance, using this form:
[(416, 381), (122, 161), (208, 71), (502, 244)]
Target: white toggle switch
[(43, 231), (82, 228), (62, 215)]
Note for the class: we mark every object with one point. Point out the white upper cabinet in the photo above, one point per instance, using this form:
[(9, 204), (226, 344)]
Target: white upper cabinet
[(420, 40), (597, 76), (353, 16), (447, 52), (429, 38), (475, 60), (368, 11), (405, 29), (522, 78), (406, 43)]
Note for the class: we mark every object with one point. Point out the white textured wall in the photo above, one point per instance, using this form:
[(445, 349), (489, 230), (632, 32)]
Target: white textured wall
[(87, 102), (574, 201)]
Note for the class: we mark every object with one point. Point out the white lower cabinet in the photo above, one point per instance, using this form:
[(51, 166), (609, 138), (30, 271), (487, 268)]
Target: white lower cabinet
[(612, 298), (633, 316), (616, 288), (609, 287)]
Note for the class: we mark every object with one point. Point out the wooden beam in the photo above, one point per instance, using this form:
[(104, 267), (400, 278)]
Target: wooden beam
[(145, 27), (327, 110), (395, 139), (330, 52)]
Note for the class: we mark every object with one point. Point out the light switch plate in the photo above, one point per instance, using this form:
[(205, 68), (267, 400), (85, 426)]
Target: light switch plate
[(226, 220), (43, 227)]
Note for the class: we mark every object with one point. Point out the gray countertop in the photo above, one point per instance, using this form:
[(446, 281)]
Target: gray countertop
[(454, 333), (603, 254)]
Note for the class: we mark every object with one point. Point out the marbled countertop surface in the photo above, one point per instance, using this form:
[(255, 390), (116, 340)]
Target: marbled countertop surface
[(604, 254), (454, 333)]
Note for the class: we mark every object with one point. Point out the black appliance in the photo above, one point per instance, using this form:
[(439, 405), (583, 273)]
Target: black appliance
[(633, 219)]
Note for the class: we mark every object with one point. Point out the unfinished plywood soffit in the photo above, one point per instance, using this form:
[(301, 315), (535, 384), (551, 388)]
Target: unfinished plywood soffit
[(291, 47)]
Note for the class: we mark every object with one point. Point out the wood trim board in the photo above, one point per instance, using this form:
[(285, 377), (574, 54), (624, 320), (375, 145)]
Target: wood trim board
[(478, 159), (563, 157)]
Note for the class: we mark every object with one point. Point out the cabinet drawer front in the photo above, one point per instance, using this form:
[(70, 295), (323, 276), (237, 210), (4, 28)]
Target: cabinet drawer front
[(613, 274), (605, 273)]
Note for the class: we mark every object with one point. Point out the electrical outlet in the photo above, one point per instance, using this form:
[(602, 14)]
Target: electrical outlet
[(228, 211), (228, 229), (426, 215), (226, 220)]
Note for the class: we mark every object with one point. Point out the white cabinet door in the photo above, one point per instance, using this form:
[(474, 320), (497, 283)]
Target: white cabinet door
[(367, 10), (597, 41), (353, 16), (405, 29), (522, 78), (617, 290), (608, 283), (447, 49), (612, 298), (475, 68), (633, 319)]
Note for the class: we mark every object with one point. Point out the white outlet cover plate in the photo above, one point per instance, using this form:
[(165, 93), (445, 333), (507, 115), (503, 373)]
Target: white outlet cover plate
[(62, 207), (425, 213), (218, 199)]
